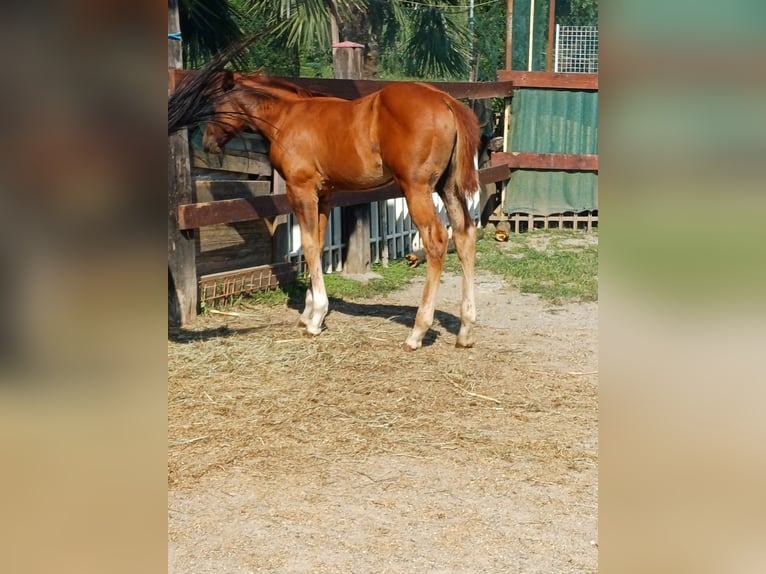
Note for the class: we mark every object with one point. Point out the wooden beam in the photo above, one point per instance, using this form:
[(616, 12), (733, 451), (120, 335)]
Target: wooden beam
[(553, 80), (552, 161), (355, 232), (253, 163), (195, 215), (182, 280), (220, 189), (551, 35), (509, 36), (494, 173), (352, 89)]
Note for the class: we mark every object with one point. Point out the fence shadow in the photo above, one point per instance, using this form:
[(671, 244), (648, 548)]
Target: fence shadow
[(401, 314), (181, 335)]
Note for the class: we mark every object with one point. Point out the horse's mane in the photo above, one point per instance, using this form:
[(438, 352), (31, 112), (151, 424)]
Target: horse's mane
[(264, 81), (190, 103)]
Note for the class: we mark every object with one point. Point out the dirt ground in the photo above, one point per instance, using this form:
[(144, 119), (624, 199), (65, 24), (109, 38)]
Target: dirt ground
[(345, 453)]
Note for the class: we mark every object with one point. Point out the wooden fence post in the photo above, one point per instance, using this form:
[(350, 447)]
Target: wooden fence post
[(182, 274), (347, 64), (278, 226)]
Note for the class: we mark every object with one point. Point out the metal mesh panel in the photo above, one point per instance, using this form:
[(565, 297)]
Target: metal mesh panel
[(576, 49)]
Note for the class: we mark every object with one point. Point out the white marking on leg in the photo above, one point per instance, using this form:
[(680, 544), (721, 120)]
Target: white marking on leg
[(308, 308), (320, 303)]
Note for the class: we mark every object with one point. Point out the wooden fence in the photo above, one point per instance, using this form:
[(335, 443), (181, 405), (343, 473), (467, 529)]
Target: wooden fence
[(238, 212)]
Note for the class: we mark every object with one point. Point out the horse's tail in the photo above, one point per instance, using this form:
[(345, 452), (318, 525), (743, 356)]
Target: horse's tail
[(463, 164)]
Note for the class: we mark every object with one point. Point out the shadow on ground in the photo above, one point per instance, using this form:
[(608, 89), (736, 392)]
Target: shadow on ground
[(401, 314)]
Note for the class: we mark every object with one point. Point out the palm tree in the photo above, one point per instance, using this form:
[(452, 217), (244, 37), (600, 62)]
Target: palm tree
[(207, 27), (438, 40), (431, 36)]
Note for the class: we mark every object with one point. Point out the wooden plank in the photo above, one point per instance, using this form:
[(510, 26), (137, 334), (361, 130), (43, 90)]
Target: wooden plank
[(242, 144), (509, 35), (194, 215), (347, 65), (356, 235), (229, 246), (278, 226), (352, 89), (217, 190), (253, 163), (223, 246), (553, 80), (182, 280), (494, 173), (553, 161)]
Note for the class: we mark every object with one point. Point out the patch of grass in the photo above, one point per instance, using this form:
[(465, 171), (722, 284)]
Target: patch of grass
[(395, 276), (558, 265), (558, 276)]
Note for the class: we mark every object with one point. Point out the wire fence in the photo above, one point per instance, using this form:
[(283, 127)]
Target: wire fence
[(576, 49)]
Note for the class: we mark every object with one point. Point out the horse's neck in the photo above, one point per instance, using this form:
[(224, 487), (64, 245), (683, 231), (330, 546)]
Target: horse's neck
[(266, 114)]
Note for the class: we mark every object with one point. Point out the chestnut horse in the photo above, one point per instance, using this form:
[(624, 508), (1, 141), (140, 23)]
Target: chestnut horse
[(411, 133)]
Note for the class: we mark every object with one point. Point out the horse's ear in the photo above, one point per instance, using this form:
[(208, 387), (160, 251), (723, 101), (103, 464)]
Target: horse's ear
[(227, 80)]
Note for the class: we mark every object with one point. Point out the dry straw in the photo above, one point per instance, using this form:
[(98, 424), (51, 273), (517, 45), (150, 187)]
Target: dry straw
[(249, 391)]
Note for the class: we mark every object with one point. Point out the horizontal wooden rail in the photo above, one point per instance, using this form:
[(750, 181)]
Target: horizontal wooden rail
[(552, 80), (552, 161), (352, 89), (493, 174), (194, 215)]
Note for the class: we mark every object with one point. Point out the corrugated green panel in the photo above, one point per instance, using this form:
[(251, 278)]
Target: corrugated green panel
[(549, 192), (553, 121)]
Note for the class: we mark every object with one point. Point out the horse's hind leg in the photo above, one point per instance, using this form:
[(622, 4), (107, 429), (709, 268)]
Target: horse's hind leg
[(434, 237), (464, 236)]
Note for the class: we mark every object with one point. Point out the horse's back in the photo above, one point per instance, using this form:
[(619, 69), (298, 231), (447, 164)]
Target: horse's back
[(414, 98)]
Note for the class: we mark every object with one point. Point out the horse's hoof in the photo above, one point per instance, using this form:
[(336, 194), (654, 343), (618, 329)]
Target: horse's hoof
[(408, 346), (312, 331), (463, 345)]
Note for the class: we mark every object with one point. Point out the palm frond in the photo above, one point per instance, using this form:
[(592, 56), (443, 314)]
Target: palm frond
[(208, 27), (438, 45)]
